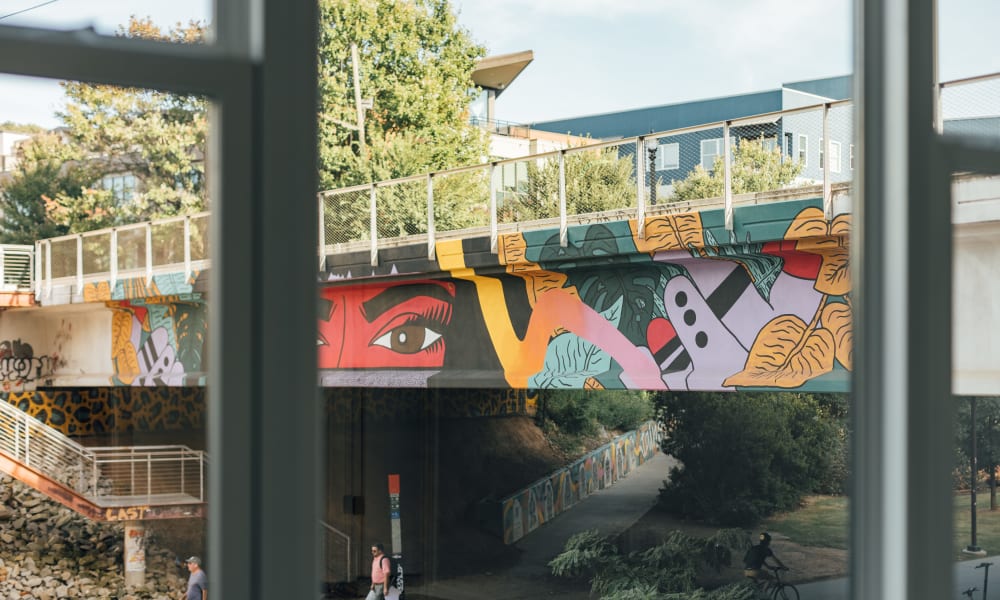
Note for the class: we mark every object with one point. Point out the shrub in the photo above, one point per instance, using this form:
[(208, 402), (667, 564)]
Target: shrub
[(744, 456)]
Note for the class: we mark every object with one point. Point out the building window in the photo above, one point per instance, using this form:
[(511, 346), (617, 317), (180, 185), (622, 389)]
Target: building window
[(668, 157), (821, 147), (769, 143), (804, 150), (121, 185), (834, 157), (851, 157), (788, 144), (709, 150)]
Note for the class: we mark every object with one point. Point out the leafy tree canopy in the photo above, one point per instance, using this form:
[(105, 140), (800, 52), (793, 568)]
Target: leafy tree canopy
[(745, 456), (415, 64), (755, 168), (21, 127)]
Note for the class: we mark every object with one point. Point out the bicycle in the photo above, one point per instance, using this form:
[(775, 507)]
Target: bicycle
[(776, 589)]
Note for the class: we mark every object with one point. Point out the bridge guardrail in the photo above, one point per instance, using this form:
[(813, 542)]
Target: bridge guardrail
[(150, 475), (634, 177)]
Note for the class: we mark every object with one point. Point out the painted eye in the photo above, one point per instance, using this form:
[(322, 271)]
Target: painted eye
[(408, 339)]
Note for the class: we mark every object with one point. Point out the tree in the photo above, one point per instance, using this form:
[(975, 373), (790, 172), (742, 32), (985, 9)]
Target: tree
[(987, 429), (40, 176), (150, 143), (415, 64), (754, 169), (596, 181), (744, 456)]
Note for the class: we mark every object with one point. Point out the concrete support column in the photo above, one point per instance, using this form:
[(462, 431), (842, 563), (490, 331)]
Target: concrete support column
[(135, 554)]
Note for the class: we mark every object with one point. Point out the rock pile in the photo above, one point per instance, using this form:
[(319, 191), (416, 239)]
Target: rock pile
[(48, 552)]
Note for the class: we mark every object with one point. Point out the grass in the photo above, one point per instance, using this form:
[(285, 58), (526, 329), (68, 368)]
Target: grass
[(822, 521)]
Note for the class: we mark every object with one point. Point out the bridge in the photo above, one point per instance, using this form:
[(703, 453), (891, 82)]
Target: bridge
[(547, 281)]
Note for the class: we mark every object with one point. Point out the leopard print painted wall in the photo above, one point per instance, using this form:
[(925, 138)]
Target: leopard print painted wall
[(103, 410)]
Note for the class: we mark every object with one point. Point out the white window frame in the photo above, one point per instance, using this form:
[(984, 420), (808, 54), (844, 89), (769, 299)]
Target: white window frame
[(835, 156), (262, 131), (719, 148), (661, 154), (803, 150)]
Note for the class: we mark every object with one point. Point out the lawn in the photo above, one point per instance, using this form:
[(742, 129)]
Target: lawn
[(822, 521)]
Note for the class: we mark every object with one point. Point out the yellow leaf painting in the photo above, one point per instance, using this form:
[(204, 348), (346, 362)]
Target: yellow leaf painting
[(837, 318), (669, 232), (123, 353), (786, 354), (809, 223), (834, 277)]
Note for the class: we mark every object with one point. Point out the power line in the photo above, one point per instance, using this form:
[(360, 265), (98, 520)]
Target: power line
[(24, 10)]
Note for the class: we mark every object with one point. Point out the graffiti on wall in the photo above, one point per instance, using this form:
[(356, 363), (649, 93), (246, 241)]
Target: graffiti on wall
[(157, 342), (686, 306), (20, 367), (526, 510)]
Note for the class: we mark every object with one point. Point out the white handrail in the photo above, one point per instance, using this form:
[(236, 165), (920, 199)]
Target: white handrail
[(331, 529), (105, 475)]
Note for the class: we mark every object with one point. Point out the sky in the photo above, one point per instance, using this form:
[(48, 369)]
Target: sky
[(592, 56)]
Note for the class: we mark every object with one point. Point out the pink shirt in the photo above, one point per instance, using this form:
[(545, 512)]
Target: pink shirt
[(380, 572)]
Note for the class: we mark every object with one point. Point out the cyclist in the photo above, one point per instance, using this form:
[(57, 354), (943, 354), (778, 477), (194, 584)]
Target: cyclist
[(756, 557)]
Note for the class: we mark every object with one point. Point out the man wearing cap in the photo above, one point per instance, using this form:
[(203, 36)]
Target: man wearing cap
[(197, 584)]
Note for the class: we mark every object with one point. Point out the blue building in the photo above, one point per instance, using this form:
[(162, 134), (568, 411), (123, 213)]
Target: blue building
[(799, 136)]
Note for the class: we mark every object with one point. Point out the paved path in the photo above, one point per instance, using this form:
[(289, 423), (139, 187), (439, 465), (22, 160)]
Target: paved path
[(611, 511)]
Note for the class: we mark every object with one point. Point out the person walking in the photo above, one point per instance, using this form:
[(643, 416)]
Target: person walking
[(380, 573), (197, 588)]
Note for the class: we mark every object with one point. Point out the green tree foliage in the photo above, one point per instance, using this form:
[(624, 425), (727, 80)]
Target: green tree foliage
[(754, 169), (39, 178), (153, 138), (596, 181), (667, 570), (584, 411), (745, 456), (28, 128), (415, 64), (987, 429)]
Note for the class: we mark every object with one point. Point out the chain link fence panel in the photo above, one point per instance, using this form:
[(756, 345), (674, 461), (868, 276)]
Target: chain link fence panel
[(972, 108), (462, 200), (346, 216)]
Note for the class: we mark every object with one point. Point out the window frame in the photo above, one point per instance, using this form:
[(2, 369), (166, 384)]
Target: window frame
[(720, 147), (803, 150), (261, 252), (660, 154)]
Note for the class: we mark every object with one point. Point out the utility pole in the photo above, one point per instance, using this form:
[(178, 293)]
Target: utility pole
[(358, 103)]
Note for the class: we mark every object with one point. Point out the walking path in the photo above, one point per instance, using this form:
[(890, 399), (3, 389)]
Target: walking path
[(613, 511)]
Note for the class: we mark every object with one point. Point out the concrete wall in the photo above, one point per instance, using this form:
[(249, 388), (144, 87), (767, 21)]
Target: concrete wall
[(526, 510)]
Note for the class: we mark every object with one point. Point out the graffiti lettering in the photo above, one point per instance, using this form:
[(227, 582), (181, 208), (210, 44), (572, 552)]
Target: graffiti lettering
[(21, 370), (130, 513)]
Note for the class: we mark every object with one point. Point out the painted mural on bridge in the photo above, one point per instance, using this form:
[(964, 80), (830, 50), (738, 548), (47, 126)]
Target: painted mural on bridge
[(687, 306), (526, 510), (157, 342)]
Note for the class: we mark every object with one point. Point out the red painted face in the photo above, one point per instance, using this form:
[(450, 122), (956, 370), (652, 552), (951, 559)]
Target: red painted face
[(379, 326)]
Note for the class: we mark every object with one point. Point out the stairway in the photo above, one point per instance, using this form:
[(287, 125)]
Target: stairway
[(127, 483)]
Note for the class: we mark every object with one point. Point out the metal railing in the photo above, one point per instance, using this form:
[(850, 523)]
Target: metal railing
[(336, 551), (150, 475), (138, 250), (630, 178)]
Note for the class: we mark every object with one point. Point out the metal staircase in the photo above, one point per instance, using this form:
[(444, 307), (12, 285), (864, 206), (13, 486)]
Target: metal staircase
[(103, 483)]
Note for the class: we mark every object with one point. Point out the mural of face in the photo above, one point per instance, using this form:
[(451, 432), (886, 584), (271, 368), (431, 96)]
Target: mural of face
[(393, 325)]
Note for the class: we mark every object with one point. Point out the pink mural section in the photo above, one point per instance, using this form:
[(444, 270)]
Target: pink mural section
[(528, 509)]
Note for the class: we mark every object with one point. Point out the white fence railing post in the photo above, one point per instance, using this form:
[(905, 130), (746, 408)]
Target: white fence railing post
[(373, 226), (430, 217), (149, 252), (827, 195), (494, 244), (563, 227), (727, 192)]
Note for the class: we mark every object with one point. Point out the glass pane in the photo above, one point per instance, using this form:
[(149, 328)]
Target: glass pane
[(104, 384), (106, 18)]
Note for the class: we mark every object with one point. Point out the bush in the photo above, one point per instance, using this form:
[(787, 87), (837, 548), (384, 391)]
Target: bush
[(745, 456), (667, 570), (582, 412)]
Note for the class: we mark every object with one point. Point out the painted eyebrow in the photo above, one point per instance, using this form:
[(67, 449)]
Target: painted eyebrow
[(394, 296)]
